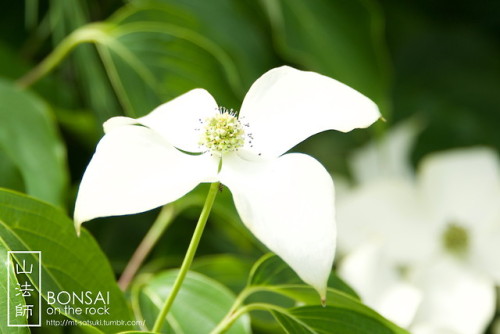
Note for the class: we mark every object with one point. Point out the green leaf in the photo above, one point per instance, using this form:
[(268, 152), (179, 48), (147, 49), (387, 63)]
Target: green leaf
[(81, 124), (14, 300), (271, 274), (200, 305), (29, 137), (336, 300), (69, 263), (10, 176), (148, 49), (270, 270), (317, 319), (91, 81), (248, 45), (338, 38), (229, 270)]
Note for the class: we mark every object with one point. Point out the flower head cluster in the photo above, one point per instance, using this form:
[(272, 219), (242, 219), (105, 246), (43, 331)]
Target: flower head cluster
[(286, 200), (222, 133)]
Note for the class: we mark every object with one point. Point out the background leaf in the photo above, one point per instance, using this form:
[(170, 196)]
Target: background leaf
[(29, 137), (271, 270), (69, 263), (318, 319), (14, 300), (242, 33), (229, 270), (273, 275), (199, 306), (341, 39), (447, 71), (151, 46), (94, 87)]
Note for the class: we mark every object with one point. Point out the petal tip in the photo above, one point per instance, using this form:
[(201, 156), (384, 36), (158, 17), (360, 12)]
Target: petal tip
[(78, 220), (78, 228), (322, 291)]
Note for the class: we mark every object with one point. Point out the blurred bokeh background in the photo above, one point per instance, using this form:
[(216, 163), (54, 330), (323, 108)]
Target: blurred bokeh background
[(436, 63)]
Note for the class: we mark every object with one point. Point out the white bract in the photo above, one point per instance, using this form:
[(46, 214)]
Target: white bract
[(437, 232), (286, 200), (375, 278), (388, 157)]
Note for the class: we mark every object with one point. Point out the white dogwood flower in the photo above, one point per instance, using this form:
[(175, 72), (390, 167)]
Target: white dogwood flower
[(439, 230), (286, 200), (442, 295)]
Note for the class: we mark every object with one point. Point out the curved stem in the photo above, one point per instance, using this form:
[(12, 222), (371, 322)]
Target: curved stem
[(188, 259), (89, 33), (224, 325), (165, 217), (247, 291)]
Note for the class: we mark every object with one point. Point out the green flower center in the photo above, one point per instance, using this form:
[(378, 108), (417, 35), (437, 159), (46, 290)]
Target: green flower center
[(222, 133), (456, 239)]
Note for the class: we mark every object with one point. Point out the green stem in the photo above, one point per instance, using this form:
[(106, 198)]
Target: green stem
[(224, 325), (159, 226), (89, 33), (247, 291), (188, 259)]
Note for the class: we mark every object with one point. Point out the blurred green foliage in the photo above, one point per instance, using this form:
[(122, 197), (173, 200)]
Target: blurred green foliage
[(446, 58)]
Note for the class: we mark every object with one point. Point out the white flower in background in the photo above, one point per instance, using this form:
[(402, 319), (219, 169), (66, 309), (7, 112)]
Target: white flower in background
[(392, 215), (456, 298), (385, 180), (388, 157), (437, 297), (380, 283), (440, 232), (286, 200), (461, 191)]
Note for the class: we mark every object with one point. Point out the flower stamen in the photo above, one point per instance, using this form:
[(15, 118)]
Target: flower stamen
[(456, 239), (223, 132)]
